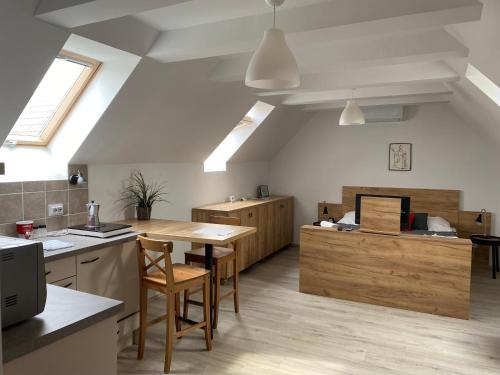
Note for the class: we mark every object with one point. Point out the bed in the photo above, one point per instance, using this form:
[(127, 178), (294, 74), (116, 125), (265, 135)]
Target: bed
[(422, 270)]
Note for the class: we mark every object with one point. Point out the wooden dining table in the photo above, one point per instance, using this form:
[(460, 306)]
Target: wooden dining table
[(194, 232)]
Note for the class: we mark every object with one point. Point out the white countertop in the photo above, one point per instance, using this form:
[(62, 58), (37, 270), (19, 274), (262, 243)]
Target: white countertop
[(82, 244)]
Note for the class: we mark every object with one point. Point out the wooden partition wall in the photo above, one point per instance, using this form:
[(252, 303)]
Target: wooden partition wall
[(436, 202), (418, 273)]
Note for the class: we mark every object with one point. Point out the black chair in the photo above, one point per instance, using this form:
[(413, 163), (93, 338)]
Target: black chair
[(493, 242)]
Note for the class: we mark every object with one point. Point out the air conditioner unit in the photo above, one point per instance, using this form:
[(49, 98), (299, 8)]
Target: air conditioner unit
[(385, 113)]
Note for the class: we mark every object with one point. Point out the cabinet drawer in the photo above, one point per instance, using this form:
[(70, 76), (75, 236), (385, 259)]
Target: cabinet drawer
[(60, 269), (69, 283)]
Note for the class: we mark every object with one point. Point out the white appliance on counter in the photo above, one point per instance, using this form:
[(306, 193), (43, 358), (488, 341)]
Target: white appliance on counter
[(23, 285)]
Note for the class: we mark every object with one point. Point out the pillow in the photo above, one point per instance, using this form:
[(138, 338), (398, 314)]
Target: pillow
[(438, 224), (349, 218), (420, 222), (327, 224)]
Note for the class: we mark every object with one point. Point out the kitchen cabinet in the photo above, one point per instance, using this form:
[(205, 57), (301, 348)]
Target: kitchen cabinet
[(248, 245), (283, 214), (60, 269), (111, 272), (68, 283), (272, 217)]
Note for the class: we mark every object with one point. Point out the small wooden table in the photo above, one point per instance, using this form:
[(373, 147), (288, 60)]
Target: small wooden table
[(204, 233)]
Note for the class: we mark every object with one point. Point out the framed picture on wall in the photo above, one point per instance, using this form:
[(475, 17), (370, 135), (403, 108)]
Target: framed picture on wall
[(400, 156)]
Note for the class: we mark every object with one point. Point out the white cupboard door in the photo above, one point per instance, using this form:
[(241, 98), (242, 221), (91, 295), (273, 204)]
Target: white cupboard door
[(111, 272)]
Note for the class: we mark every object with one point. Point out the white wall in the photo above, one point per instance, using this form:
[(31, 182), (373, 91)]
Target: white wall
[(187, 185), (447, 153)]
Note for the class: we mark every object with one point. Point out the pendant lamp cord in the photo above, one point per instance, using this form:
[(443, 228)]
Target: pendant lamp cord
[(274, 15)]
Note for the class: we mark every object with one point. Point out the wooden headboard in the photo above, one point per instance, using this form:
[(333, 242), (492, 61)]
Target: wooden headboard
[(436, 202)]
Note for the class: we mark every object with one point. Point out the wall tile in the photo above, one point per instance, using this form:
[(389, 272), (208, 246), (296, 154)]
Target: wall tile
[(40, 221), (77, 219), (8, 230), (34, 206), (57, 223), (11, 187), (33, 186), (77, 200), (28, 200), (56, 185), (58, 197), (10, 208)]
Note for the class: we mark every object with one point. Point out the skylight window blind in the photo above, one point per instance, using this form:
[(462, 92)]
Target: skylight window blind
[(51, 101)]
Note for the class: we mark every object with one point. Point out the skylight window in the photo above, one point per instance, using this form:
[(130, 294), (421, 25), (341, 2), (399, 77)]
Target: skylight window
[(217, 160), (483, 83), (53, 99)]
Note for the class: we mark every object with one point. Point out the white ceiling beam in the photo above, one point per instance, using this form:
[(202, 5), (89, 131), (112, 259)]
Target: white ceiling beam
[(407, 100), (366, 93), (307, 26), (125, 33), (74, 13), (390, 75), (414, 47)]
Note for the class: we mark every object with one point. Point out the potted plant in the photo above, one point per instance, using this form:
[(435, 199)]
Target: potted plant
[(142, 195)]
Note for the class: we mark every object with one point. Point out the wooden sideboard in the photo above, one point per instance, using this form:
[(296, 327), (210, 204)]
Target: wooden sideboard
[(272, 217)]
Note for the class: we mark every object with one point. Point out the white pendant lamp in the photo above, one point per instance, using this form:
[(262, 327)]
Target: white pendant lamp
[(352, 114), (273, 65)]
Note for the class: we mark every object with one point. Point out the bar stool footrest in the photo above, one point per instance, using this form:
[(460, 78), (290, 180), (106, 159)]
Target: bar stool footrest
[(196, 303)]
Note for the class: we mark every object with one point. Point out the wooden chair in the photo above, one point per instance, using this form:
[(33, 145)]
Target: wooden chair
[(221, 256), (159, 274)]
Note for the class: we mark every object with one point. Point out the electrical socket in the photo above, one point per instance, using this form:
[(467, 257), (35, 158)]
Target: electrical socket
[(55, 209)]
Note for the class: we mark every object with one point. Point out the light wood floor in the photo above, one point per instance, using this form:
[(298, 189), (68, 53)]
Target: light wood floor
[(281, 331)]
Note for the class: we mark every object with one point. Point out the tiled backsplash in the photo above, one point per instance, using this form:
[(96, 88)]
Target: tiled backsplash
[(28, 201)]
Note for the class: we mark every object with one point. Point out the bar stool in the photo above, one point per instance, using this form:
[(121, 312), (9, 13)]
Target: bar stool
[(221, 256), (169, 279)]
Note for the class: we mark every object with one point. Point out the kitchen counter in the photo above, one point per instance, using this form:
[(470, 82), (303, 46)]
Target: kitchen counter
[(66, 313), (83, 244), (240, 205)]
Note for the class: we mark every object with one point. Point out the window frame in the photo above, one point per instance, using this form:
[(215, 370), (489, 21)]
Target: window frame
[(69, 101)]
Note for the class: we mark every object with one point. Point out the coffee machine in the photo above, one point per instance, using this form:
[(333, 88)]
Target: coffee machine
[(93, 215), (94, 227)]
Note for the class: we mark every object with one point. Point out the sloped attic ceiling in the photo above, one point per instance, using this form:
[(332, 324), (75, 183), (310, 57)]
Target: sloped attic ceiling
[(481, 38), (25, 58), (402, 52), (168, 113)]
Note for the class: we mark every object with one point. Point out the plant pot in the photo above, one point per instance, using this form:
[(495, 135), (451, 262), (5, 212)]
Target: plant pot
[(143, 213)]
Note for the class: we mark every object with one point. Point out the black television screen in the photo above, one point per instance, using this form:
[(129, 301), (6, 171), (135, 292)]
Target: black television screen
[(405, 208)]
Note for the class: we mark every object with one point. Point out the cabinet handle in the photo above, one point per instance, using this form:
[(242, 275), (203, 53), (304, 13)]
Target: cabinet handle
[(67, 285), (282, 206), (90, 261), (250, 214), (48, 273)]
